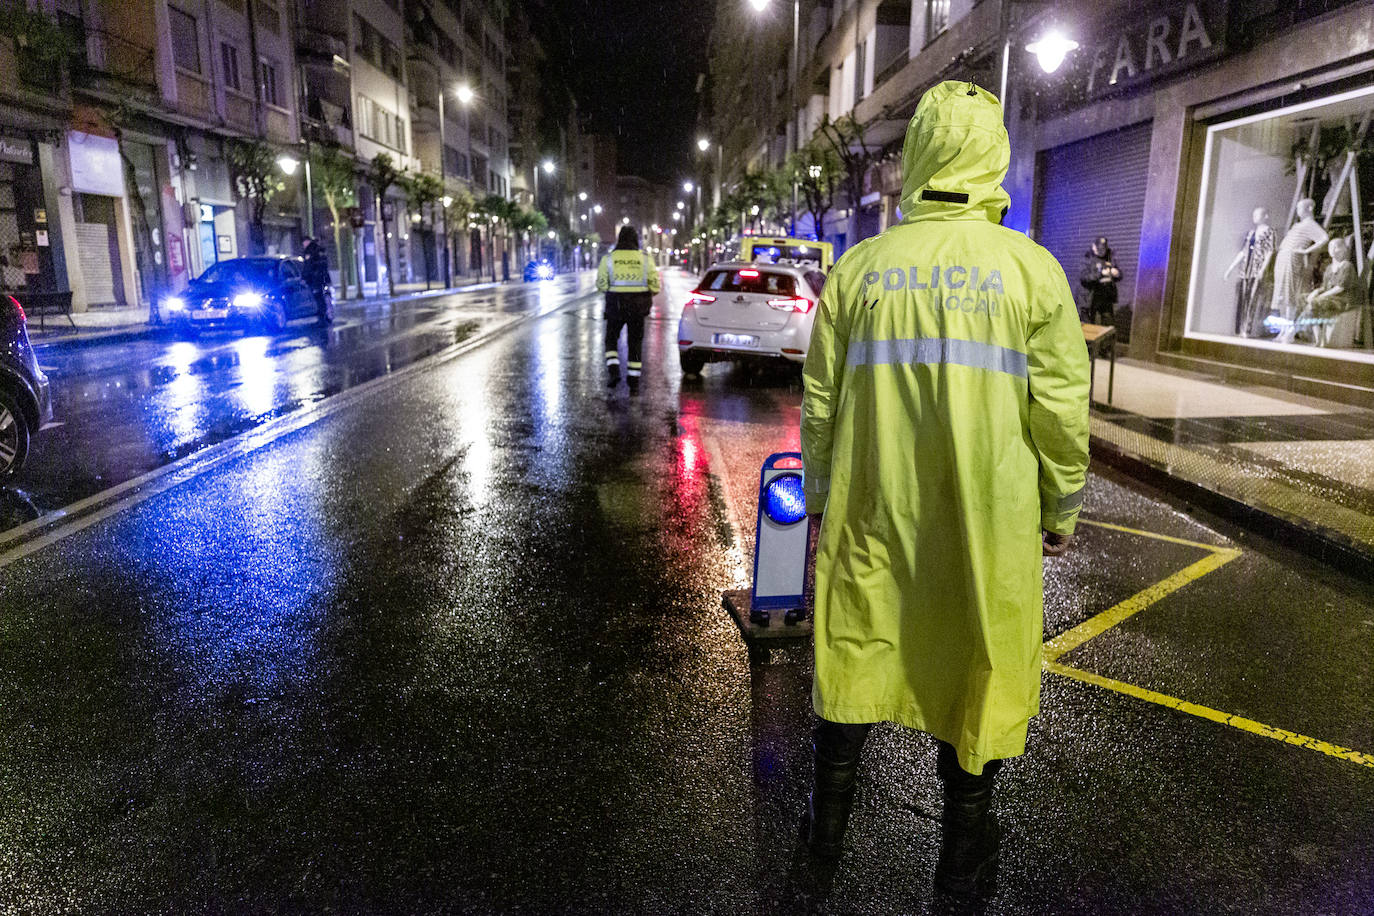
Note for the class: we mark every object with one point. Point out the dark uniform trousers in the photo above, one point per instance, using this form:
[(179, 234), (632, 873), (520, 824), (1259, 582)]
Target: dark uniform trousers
[(627, 310)]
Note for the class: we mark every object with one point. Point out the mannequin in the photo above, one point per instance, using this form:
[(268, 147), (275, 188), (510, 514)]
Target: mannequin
[(1252, 261), (1336, 295), (1292, 276)]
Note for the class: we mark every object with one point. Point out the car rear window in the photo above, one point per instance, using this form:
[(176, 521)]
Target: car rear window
[(750, 280)]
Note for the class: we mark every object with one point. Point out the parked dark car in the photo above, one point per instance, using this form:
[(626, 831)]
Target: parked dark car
[(25, 404), (541, 269), (266, 292)]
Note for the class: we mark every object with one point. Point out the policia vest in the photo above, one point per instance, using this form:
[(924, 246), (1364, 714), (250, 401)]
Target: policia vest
[(627, 271)]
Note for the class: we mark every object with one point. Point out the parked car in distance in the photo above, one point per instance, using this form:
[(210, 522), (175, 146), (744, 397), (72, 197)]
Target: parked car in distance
[(541, 269), (25, 402), (749, 311), (266, 292)]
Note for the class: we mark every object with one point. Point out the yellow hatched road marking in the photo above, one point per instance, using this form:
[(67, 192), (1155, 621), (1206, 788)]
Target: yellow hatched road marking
[(1206, 712), (1096, 626), (1216, 558)]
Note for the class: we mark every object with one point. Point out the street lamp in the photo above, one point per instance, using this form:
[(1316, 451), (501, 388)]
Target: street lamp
[(1051, 50), (794, 141), (581, 195), (687, 187), (597, 209), (681, 205), (703, 144), (465, 94), (287, 163)]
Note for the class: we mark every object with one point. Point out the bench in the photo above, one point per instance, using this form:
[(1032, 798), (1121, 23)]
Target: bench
[(41, 304)]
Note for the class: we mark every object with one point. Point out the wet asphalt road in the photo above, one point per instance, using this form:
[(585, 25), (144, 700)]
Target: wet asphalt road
[(457, 647)]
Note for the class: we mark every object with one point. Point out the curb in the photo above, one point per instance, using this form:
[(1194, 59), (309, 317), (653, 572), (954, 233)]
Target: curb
[(145, 331), (1323, 544)]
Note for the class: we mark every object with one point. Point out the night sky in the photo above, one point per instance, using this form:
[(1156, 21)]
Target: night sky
[(632, 66)]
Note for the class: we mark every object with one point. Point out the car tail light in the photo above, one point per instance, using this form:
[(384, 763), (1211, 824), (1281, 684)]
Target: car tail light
[(19, 309), (700, 299), (799, 304), (684, 343), (751, 274)]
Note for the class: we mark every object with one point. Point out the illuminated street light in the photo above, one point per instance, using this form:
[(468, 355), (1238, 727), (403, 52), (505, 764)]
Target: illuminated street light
[(464, 93), (759, 5), (447, 201), (548, 166), (552, 234), (687, 187), (681, 205), (1051, 50), (814, 171), (287, 164), (703, 144), (596, 209), (581, 195)]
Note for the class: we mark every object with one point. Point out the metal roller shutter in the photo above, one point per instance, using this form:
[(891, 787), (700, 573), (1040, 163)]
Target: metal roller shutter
[(1095, 187)]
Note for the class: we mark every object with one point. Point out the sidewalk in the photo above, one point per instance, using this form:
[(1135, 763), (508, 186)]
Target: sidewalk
[(1297, 469), (107, 325)]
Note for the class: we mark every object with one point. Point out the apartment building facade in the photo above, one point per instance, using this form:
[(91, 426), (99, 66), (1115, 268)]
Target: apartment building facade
[(1165, 129), (124, 126)]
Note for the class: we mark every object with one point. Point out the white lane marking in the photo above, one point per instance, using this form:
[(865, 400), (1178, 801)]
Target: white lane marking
[(722, 473), (100, 506)]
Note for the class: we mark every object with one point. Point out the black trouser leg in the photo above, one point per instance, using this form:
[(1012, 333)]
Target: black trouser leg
[(615, 320), (837, 748), (968, 847), (634, 348)]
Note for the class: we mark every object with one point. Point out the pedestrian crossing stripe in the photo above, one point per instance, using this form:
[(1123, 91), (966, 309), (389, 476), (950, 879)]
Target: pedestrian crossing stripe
[(1095, 626)]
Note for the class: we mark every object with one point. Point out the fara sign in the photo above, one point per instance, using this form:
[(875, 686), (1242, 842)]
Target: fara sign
[(1153, 46)]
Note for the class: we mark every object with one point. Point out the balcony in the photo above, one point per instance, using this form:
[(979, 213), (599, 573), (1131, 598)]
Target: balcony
[(238, 112), (278, 124), (115, 64), (194, 96)]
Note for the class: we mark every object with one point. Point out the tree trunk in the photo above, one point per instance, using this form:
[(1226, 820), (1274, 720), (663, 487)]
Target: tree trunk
[(338, 247)]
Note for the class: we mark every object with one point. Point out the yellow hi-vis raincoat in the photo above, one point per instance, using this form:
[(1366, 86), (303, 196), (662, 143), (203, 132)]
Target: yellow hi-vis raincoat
[(627, 270), (945, 423)]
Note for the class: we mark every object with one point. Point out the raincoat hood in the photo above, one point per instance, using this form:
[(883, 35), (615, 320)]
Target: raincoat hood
[(955, 156)]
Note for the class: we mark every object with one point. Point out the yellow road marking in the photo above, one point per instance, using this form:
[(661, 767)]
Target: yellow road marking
[(1216, 558), (1150, 534), (1206, 712), (1096, 626)]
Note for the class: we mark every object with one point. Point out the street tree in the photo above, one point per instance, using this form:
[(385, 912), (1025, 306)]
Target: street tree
[(257, 180), (382, 175), (819, 173), (846, 139), (423, 191), (332, 173)]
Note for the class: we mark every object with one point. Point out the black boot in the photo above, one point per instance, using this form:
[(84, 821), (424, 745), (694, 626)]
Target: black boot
[(968, 847), (837, 749), (633, 382), (612, 376)]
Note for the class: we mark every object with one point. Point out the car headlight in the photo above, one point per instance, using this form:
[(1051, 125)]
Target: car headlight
[(545, 272), (174, 304), (248, 301)]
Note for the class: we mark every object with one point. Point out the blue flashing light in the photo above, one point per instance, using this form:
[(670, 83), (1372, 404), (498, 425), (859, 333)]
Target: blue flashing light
[(784, 499)]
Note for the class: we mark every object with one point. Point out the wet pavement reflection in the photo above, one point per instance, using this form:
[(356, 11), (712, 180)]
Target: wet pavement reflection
[(126, 408)]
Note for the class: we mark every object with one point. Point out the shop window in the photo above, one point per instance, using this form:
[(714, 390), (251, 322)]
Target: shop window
[(1281, 257), (185, 40)]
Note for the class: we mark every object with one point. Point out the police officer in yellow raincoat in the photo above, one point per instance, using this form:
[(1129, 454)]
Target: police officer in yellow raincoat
[(629, 279), (945, 437)]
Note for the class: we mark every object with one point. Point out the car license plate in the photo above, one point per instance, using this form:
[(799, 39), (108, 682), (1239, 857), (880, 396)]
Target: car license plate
[(737, 340), (209, 313)]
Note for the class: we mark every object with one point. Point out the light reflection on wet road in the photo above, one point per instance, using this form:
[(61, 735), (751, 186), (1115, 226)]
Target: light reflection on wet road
[(127, 408)]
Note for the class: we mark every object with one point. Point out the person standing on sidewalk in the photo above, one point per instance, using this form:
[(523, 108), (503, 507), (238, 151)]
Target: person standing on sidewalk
[(629, 279), (1099, 277), (944, 436), (316, 273)]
